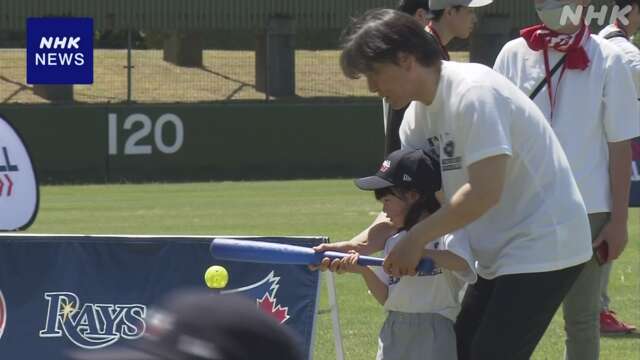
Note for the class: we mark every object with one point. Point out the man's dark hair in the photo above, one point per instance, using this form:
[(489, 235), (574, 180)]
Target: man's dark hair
[(379, 36), (436, 15), (410, 7)]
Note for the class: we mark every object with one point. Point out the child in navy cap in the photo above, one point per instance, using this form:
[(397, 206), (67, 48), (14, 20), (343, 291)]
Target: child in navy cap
[(421, 309)]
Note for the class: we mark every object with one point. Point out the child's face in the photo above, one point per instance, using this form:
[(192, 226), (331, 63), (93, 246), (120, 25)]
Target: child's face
[(396, 208)]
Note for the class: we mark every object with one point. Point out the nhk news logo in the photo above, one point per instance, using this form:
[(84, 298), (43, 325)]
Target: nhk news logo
[(60, 51)]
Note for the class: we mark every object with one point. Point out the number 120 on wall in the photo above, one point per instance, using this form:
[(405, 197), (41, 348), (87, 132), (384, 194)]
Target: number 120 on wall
[(140, 141)]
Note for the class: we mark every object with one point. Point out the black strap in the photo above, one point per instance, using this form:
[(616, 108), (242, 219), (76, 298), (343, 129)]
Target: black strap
[(615, 34), (544, 80), (392, 138)]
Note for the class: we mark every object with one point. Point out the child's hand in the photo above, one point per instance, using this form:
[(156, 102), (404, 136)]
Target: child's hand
[(350, 264)]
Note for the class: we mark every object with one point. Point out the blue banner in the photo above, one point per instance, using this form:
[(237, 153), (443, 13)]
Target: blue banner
[(62, 293), (635, 174)]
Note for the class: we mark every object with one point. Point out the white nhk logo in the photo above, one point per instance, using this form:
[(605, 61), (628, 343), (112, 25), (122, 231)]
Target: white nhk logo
[(55, 58), (574, 15)]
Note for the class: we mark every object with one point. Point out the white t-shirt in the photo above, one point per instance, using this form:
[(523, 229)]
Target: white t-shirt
[(418, 133), (432, 293), (630, 53), (540, 223), (593, 107)]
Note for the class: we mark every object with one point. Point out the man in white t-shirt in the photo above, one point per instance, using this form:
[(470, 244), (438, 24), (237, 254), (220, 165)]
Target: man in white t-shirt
[(591, 105), (445, 20), (505, 178), (619, 35), (448, 19)]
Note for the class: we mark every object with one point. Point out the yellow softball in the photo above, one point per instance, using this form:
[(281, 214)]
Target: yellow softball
[(216, 277)]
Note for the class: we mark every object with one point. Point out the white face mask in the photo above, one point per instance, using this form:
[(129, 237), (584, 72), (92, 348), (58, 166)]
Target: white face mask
[(550, 12)]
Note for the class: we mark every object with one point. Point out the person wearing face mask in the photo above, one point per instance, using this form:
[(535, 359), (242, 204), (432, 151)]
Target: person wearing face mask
[(619, 35), (581, 84)]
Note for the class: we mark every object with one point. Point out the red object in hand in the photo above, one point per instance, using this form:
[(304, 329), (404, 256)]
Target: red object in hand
[(602, 253)]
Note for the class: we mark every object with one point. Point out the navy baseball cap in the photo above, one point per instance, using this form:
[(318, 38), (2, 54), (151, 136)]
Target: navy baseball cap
[(409, 169), (203, 325)]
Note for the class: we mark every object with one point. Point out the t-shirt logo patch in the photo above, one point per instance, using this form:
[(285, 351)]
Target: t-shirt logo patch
[(406, 177), (449, 148), (449, 161), (385, 166)]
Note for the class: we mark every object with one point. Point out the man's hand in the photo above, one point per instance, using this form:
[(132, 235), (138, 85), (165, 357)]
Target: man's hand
[(404, 257), (615, 231), (615, 234)]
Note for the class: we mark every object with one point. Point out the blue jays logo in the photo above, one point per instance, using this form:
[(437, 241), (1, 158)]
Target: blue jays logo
[(3, 314), (91, 326), (264, 291)]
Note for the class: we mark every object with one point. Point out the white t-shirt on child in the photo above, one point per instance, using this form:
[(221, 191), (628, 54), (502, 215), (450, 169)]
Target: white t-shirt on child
[(433, 293)]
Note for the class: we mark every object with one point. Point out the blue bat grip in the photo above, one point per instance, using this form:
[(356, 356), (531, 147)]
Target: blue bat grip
[(425, 266)]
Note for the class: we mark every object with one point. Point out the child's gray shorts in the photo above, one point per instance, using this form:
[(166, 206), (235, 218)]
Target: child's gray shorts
[(423, 336)]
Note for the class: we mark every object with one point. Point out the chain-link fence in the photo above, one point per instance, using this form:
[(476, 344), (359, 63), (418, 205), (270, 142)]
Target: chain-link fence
[(231, 66), (137, 47), (224, 75)]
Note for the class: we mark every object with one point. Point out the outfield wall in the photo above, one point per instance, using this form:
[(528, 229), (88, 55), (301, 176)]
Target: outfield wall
[(228, 141)]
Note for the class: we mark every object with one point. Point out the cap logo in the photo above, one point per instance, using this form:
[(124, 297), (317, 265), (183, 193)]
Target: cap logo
[(385, 166), (406, 177)]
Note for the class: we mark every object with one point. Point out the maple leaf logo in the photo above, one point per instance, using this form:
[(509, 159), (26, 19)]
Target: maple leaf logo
[(264, 292), (268, 305)]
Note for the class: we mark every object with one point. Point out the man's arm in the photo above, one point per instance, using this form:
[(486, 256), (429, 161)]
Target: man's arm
[(621, 124), (615, 231), (369, 241), (471, 201)]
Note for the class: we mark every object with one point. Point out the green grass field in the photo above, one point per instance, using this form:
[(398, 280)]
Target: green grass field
[(325, 207)]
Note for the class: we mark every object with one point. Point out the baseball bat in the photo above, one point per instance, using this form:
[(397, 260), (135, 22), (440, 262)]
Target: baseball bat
[(273, 253)]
